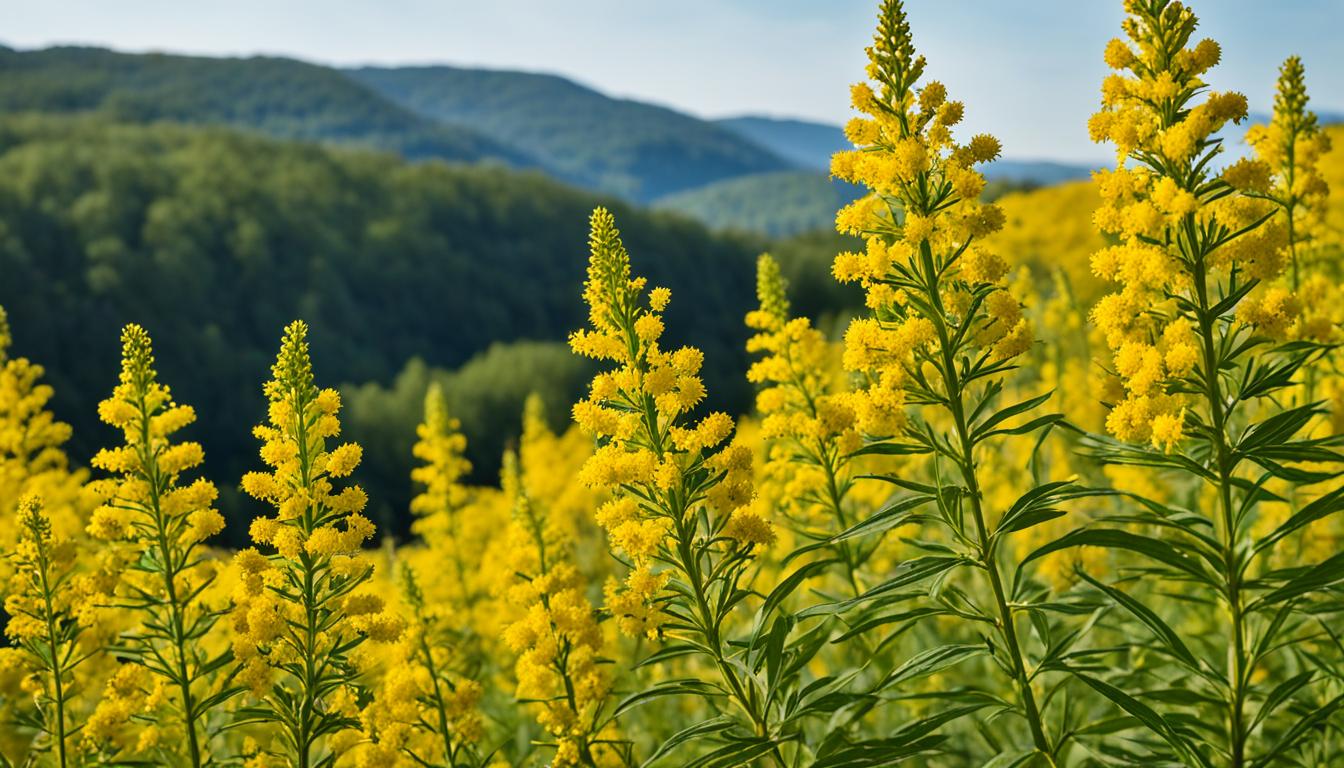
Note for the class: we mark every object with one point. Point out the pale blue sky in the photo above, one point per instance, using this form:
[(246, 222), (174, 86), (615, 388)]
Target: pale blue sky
[(1027, 69)]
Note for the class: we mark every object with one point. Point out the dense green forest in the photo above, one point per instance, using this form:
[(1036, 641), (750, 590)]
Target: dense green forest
[(636, 150), (275, 96), (213, 240)]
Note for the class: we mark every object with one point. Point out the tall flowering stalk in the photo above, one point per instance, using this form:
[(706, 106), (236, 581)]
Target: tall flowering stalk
[(441, 505), (1286, 169), (1204, 376), (680, 518), (930, 362), (162, 524), (299, 613), (560, 667), (807, 418), (42, 624)]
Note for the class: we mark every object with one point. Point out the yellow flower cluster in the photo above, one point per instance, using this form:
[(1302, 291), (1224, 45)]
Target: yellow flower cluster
[(159, 522), (32, 461), (440, 446), (146, 497), (647, 448), (303, 602), (557, 638), (311, 516), (1288, 149), (1286, 172), (923, 213), (422, 706), (46, 623), (808, 417), (1157, 191)]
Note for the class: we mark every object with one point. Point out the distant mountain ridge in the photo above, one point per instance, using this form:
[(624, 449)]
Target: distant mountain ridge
[(629, 148), (283, 98), (807, 144), (771, 173)]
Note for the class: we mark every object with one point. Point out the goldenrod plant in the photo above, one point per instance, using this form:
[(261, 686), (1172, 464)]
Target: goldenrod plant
[(1207, 381), (44, 626), (300, 613), (1062, 489), (809, 423), (32, 455), (931, 361), (160, 521), (680, 519), (425, 708), (560, 669), (1286, 166)]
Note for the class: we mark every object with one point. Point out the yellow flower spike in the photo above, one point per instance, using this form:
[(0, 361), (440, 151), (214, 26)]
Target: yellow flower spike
[(160, 522), (932, 356), (317, 533), (1199, 313), (557, 639)]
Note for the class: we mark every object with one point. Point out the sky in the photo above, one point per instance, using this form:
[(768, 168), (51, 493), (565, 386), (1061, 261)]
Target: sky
[(1028, 70)]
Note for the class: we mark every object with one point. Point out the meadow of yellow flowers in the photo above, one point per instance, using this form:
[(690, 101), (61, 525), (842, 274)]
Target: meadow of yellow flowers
[(1067, 494)]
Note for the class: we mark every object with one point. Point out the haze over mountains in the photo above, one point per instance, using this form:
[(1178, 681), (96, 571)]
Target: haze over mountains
[(771, 171)]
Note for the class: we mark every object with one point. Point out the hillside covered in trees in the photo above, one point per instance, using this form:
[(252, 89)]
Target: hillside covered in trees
[(213, 240), (278, 97), (636, 150)]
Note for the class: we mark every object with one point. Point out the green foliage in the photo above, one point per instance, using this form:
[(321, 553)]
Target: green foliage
[(639, 151), (212, 239)]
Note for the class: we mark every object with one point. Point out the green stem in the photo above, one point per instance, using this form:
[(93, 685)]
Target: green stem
[(53, 646), (985, 547), (1237, 663), (438, 696), (709, 628), (167, 558)]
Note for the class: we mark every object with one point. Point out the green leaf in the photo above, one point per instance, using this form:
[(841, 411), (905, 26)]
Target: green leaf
[(905, 574), (1300, 729), (980, 431), (890, 449), (1315, 578), (1145, 714), (1318, 508), (707, 728), (930, 661), (786, 587), (1166, 634), (683, 687), (893, 515), (1153, 548), (742, 751), (878, 752), (1039, 422)]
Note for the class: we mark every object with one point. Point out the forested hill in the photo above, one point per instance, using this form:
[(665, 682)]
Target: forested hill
[(279, 97), (214, 240), (636, 150)]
